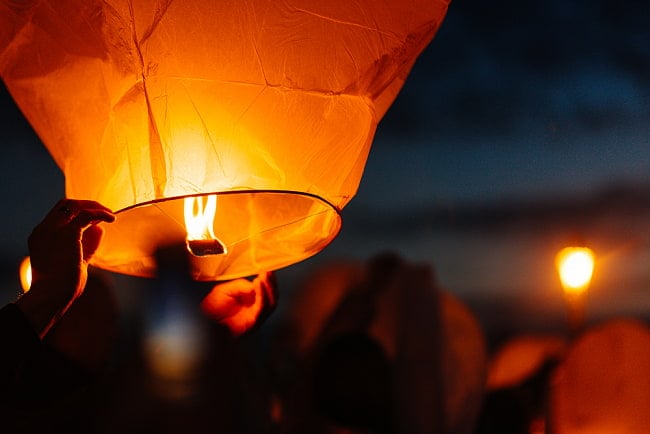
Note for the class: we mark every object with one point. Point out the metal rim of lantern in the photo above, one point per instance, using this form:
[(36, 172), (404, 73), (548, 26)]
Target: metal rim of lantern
[(295, 226)]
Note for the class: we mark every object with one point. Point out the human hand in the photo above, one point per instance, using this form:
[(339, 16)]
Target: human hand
[(60, 248), (242, 304)]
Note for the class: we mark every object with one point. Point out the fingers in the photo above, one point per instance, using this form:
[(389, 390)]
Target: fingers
[(78, 213), (83, 213), (228, 299), (267, 283), (90, 241), (66, 230)]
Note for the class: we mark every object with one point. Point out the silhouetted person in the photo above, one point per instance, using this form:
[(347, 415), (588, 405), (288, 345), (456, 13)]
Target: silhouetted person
[(57, 337), (37, 379)]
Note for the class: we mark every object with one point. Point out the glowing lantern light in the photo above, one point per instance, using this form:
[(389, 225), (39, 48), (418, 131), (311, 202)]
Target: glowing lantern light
[(575, 266), (272, 106), (25, 274)]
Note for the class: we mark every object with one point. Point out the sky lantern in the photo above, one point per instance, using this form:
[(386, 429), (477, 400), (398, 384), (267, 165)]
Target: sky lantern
[(575, 266), (258, 114), (603, 385)]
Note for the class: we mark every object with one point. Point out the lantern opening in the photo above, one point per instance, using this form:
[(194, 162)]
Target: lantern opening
[(199, 222), (258, 231)]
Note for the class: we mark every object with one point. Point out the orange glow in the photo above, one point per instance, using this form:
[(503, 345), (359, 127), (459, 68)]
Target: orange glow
[(199, 222), (602, 384), (272, 106), (25, 272), (575, 266), (521, 358)]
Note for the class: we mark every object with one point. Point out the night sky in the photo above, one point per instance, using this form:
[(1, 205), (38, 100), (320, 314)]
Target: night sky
[(523, 126)]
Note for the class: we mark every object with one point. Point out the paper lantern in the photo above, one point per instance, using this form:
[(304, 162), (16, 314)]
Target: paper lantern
[(270, 106), (603, 384)]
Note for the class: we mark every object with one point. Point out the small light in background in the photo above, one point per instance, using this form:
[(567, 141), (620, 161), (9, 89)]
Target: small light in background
[(575, 266), (25, 272), (174, 346), (175, 342)]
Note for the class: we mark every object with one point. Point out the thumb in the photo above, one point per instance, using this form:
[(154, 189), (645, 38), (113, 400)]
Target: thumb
[(90, 241)]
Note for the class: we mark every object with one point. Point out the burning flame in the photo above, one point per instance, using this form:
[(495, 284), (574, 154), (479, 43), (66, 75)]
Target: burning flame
[(199, 217), (199, 221)]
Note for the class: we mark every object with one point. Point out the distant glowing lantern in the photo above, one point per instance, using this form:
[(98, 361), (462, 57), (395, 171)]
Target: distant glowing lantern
[(270, 106), (575, 266), (602, 385)]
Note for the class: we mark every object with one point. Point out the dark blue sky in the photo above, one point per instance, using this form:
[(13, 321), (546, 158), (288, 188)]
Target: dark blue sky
[(522, 124), (520, 98)]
